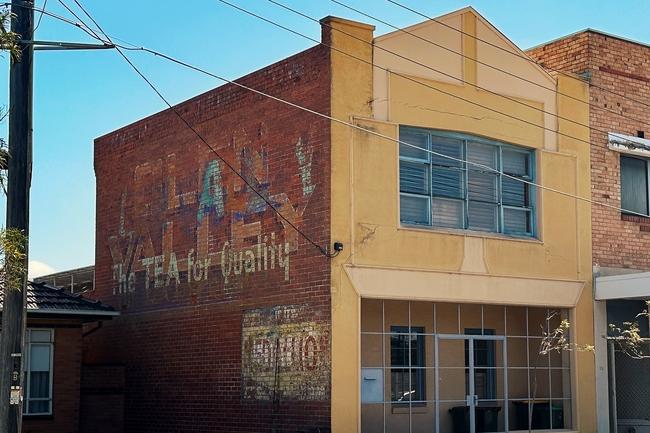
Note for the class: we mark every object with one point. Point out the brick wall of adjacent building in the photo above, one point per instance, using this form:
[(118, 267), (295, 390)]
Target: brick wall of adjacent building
[(225, 308), (102, 399), (65, 386), (618, 72)]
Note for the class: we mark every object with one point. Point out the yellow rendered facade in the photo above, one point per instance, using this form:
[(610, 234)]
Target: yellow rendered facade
[(385, 260)]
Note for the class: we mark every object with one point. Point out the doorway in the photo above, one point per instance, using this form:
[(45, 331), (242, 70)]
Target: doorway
[(472, 391)]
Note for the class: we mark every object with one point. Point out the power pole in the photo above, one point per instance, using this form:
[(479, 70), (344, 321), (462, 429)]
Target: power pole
[(18, 185)]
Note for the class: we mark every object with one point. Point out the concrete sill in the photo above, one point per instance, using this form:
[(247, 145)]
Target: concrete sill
[(472, 233)]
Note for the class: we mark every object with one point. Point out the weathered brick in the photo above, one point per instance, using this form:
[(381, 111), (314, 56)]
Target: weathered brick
[(247, 347), (619, 80)]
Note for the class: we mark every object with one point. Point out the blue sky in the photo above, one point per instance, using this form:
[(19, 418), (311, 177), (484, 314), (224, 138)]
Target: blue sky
[(80, 95)]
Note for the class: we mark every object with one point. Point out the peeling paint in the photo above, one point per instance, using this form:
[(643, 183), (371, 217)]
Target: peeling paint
[(304, 153), (212, 195), (285, 355), (223, 204)]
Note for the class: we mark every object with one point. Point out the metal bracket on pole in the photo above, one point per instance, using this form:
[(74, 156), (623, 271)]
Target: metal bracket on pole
[(53, 45)]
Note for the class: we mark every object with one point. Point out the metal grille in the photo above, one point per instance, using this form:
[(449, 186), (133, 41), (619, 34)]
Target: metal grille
[(632, 386)]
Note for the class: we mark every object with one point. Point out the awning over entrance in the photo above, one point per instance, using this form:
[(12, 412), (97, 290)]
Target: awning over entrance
[(389, 283), (627, 286)]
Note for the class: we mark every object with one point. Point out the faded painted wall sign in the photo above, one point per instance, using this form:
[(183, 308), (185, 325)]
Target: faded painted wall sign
[(285, 356), (228, 237)]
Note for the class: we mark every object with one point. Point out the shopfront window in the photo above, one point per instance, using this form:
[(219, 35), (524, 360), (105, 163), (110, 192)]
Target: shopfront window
[(461, 368)]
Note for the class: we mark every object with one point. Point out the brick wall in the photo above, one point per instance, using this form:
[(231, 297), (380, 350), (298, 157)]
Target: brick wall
[(619, 66), (65, 386), (102, 399), (225, 318)]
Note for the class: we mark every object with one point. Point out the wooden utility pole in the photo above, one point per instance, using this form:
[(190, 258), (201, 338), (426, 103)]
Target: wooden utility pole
[(18, 185)]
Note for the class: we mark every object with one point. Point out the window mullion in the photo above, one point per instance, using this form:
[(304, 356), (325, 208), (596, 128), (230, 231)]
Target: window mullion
[(430, 164), (465, 168), (500, 222)]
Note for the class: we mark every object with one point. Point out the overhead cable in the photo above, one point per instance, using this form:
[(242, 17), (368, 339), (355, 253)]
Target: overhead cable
[(323, 250), (488, 65)]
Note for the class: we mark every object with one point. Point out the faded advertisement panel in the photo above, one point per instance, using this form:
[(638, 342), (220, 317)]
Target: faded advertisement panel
[(285, 356), (211, 220)]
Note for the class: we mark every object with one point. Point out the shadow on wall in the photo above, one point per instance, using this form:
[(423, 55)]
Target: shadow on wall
[(102, 399)]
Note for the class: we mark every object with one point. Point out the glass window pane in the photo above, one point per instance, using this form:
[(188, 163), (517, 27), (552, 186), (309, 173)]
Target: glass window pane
[(516, 221), (561, 418), (450, 147), (447, 213), (407, 350), (40, 336), (483, 154), (39, 358), (41, 406), (414, 210), (482, 216), (634, 185), (482, 186), (514, 192), (39, 384), (447, 182), (414, 177), (414, 138), (515, 163)]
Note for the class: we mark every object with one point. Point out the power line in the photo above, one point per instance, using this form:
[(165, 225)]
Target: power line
[(408, 78), (322, 250), (80, 26), (365, 130), (91, 30), (401, 56), (88, 30), (377, 134), (513, 53), (40, 17), (496, 68)]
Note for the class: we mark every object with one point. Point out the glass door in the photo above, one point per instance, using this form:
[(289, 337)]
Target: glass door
[(472, 384)]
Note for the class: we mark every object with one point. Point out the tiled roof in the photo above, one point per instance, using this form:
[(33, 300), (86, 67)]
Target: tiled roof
[(46, 299)]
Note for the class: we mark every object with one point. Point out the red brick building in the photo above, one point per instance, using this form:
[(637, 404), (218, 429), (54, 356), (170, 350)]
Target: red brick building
[(618, 74), (53, 351), (225, 305)]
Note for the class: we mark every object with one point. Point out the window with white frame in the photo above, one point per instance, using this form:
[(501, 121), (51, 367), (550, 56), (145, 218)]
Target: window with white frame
[(38, 369), (634, 184), (454, 180)]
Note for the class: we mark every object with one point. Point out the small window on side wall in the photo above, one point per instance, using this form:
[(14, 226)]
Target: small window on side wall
[(459, 181), (38, 368), (634, 185)]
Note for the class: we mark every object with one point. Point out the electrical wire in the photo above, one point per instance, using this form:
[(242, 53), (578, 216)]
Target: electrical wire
[(377, 134), (496, 68), (604, 89), (364, 130), (92, 33), (408, 78), (38, 23), (476, 86), (80, 26), (119, 48), (91, 30)]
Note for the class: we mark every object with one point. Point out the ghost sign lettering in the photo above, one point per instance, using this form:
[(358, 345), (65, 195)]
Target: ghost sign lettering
[(229, 239)]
